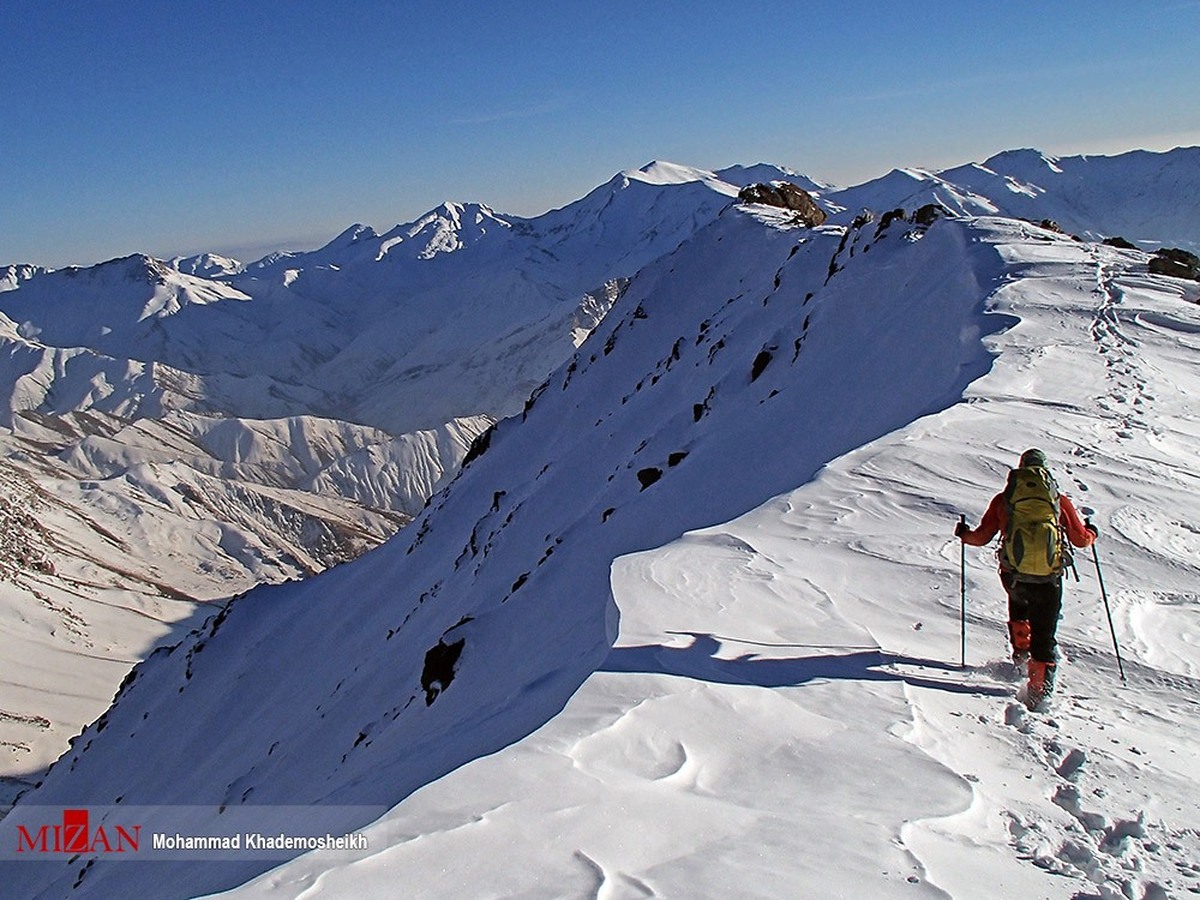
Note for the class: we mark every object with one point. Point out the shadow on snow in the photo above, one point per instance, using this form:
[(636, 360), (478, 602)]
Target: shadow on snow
[(699, 660)]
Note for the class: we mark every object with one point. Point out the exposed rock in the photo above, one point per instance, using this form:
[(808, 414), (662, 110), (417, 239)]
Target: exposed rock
[(786, 195), (1119, 242), (649, 476), (888, 219), (760, 364), (478, 447), (862, 220), (929, 213), (25, 546), (440, 668), (1176, 263)]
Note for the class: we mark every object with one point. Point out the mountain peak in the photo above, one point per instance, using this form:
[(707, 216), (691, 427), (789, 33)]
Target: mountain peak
[(765, 173), (1026, 160), (207, 265), (352, 235), (663, 172)]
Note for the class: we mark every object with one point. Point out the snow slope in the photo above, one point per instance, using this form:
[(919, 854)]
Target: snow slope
[(783, 713), (1142, 196), (193, 429), (768, 672), (724, 372), (100, 570)]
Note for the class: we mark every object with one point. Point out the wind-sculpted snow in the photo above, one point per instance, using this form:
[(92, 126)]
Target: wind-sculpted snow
[(784, 712), (513, 559)]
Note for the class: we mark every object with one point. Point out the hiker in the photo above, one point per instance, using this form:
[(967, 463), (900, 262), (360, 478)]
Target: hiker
[(1032, 518)]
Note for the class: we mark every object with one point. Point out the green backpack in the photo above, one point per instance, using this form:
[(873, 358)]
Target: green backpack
[(1033, 547)]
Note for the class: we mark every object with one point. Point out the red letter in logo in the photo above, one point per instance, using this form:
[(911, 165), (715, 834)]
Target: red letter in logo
[(75, 831), (133, 841), (37, 842)]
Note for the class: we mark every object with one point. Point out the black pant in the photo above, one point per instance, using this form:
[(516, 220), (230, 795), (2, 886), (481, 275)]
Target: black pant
[(1040, 603)]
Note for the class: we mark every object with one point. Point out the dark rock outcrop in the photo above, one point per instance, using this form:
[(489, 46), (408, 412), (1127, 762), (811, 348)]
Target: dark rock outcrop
[(649, 476), (760, 364), (1176, 263), (441, 663), (929, 213), (895, 215), (785, 195)]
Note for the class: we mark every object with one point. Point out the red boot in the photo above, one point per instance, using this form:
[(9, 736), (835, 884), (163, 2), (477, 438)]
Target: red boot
[(1041, 682), (1020, 633)]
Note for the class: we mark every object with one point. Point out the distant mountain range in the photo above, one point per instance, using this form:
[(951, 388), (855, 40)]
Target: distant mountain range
[(188, 429), (1141, 196), (653, 359)]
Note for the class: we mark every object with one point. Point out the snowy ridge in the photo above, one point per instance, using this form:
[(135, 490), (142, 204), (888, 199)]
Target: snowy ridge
[(207, 265), (634, 441), (302, 453), (764, 173), (731, 371), (786, 685), (334, 332), (200, 435), (1138, 195)]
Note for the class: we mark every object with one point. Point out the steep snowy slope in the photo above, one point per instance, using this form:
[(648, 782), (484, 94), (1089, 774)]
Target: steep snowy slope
[(138, 519), (784, 713), (192, 431), (97, 572), (722, 381), (668, 419)]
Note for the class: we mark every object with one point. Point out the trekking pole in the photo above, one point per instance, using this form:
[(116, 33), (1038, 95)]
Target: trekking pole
[(1107, 610), (962, 621)]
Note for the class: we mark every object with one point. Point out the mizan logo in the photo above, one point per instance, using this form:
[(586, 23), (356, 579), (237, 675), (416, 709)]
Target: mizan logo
[(75, 835)]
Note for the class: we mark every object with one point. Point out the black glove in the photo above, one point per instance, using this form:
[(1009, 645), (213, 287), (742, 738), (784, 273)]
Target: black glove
[(961, 528), (1092, 528)]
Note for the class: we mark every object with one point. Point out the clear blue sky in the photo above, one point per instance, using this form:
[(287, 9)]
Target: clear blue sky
[(173, 127)]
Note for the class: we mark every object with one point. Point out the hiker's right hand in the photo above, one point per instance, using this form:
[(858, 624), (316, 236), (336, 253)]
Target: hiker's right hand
[(961, 528)]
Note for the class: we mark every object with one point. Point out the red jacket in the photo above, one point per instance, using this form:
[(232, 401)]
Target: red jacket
[(996, 520)]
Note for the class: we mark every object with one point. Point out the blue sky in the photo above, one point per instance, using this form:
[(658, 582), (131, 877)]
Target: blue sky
[(241, 127)]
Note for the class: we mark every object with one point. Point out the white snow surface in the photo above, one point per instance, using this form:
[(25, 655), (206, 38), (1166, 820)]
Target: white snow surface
[(742, 678), (188, 430), (783, 712), (1142, 196)]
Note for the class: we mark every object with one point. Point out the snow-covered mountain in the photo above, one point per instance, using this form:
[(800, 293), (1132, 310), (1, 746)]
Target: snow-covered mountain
[(193, 429), (783, 687), (1142, 196), (179, 438)]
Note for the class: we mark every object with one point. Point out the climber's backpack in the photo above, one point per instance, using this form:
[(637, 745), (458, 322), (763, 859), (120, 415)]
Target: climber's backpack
[(1033, 547)]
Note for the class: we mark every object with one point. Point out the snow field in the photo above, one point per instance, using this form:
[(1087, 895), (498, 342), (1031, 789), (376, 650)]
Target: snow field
[(783, 712)]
